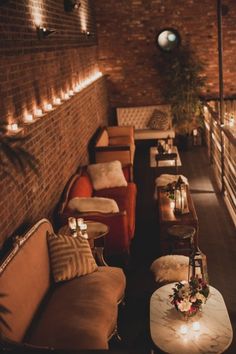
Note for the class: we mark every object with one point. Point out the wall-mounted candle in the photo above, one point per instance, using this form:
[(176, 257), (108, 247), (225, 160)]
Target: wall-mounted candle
[(77, 88), (66, 96), (38, 112), (13, 127), (183, 329), (57, 101), (71, 92), (28, 118), (48, 107), (196, 326)]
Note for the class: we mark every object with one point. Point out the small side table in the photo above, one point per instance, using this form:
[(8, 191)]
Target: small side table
[(179, 235), (214, 336), (96, 232)]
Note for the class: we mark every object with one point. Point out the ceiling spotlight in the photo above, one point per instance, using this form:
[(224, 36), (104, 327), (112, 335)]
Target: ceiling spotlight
[(44, 32), (71, 5)]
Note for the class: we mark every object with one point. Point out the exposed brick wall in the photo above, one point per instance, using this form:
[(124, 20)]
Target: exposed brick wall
[(32, 72), (127, 50)]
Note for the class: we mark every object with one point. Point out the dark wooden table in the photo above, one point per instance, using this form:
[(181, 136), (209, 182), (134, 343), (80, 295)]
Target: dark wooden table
[(167, 217)]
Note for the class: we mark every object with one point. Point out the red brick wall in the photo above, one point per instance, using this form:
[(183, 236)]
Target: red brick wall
[(32, 72), (127, 50)]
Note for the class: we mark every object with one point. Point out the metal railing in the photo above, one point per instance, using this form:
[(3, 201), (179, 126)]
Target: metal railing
[(221, 144)]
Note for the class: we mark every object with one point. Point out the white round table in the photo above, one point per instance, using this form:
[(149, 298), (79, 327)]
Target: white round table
[(215, 333)]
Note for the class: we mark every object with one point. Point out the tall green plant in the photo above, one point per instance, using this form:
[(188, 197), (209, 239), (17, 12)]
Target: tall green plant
[(183, 81)]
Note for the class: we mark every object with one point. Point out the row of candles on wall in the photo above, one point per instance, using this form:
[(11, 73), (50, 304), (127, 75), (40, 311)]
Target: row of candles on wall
[(77, 227), (39, 112)]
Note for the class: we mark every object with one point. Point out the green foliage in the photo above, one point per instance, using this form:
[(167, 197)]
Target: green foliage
[(13, 154), (183, 82)]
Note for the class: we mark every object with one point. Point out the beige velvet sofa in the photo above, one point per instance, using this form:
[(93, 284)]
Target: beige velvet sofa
[(115, 143), (138, 117), (78, 314)]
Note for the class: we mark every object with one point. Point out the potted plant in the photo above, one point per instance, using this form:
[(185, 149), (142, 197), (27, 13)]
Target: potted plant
[(183, 81), (14, 155)]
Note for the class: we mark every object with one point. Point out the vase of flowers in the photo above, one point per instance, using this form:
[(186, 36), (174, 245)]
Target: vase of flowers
[(188, 297)]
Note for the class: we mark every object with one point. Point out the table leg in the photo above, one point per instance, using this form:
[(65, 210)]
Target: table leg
[(98, 253)]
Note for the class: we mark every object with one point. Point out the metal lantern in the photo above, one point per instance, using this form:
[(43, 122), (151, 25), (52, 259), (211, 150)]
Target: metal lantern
[(198, 265), (180, 195)]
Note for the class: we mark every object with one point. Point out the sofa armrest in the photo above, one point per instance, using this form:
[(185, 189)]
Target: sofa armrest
[(114, 131), (112, 148)]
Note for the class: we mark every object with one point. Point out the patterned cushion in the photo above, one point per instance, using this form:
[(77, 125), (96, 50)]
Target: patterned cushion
[(70, 257), (158, 120)]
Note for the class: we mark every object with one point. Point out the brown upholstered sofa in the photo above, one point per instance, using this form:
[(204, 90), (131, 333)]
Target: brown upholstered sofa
[(121, 224), (72, 315)]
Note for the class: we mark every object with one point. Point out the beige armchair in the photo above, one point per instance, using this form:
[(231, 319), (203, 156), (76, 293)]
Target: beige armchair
[(115, 143)]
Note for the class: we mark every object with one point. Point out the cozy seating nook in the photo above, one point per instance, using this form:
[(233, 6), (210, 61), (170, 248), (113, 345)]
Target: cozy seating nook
[(118, 183)]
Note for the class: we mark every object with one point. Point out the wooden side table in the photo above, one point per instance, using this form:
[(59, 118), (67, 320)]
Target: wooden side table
[(168, 218), (96, 232), (214, 335)]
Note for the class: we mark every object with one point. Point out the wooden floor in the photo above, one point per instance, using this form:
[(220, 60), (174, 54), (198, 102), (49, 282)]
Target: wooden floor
[(217, 239)]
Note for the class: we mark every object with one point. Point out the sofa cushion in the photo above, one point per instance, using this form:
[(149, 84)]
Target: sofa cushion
[(126, 200), (81, 313), (159, 120), (82, 187), (106, 175), (97, 204), (70, 257)]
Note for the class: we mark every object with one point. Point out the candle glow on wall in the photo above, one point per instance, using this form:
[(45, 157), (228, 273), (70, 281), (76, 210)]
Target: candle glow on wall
[(36, 7), (38, 112)]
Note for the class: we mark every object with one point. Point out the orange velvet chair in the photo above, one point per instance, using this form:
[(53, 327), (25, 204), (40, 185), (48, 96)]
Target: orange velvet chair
[(121, 224)]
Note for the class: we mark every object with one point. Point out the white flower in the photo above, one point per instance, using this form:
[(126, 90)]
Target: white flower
[(184, 305), (183, 293), (201, 297)]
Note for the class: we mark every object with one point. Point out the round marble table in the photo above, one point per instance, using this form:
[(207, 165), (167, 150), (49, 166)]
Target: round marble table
[(215, 333)]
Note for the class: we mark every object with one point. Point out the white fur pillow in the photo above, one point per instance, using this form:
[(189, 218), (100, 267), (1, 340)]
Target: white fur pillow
[(101, 205), (107, 175), (170, 268)]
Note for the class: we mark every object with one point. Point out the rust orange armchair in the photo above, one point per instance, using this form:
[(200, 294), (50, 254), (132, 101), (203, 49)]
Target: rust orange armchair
[(121, 224)]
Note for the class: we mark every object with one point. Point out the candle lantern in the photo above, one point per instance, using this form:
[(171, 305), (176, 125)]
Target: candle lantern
[(198, 265), (180, 196)]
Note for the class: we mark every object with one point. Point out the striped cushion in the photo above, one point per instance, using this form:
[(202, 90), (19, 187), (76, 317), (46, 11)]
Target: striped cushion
[(158, 120), (70, 257)]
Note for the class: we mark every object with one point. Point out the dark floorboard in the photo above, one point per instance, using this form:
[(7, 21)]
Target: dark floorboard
[(217, 239)]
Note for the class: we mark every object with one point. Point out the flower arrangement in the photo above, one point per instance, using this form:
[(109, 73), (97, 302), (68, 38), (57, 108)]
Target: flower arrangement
[(188, 297)]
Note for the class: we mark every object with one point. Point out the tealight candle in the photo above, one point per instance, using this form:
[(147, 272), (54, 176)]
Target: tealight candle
[(66, 96), (195, 132), (83, 227), (72, 223), (77, 88), (184, 329), (48, 107), (71, 93), (38, 112), (28, 118), (172, 204), (13, 127), (57, 101), (196, 326), (80, 221)]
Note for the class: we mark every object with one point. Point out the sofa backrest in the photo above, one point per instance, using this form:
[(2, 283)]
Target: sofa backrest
[(139, 116), (24, 280)]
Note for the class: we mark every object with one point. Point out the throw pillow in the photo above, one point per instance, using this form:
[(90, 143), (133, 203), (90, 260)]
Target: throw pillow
[(107, 175), (170, 268), (70, 257), (97, 204), (159, 120)]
